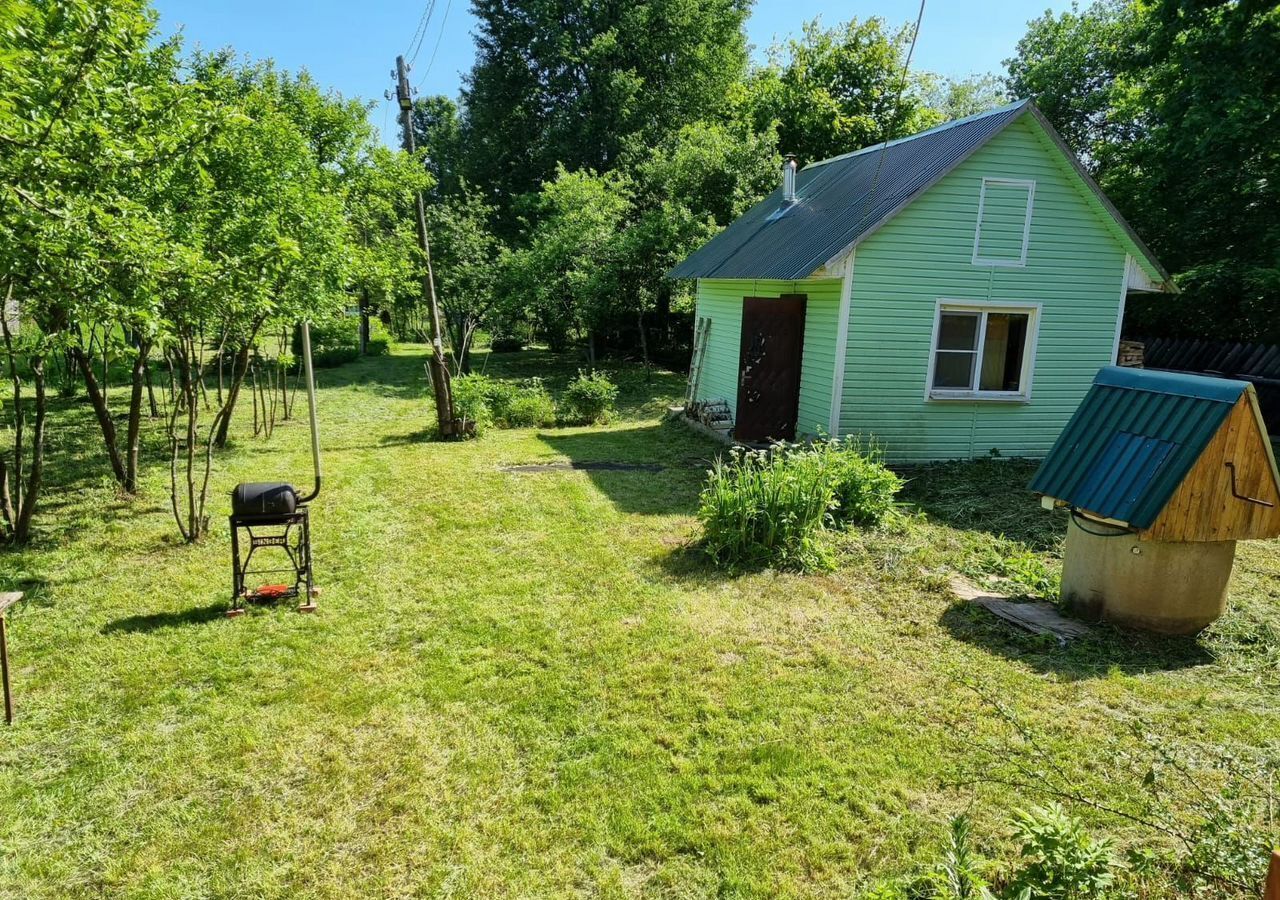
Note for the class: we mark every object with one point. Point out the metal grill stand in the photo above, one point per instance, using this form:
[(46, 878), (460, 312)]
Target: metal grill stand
[(273, 516), (290, 533)]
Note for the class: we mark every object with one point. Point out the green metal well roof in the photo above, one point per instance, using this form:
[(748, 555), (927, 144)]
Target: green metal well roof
[(1133, 440)]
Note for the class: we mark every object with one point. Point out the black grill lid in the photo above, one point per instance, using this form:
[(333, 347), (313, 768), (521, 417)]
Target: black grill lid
[(264, 498)]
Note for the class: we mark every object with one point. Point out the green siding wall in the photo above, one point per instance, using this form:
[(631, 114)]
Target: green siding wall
[(1004, 220), (722, 301), (1075, 268)]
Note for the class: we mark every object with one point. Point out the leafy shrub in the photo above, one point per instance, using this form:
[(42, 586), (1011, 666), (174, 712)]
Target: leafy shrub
[(589, 399), (1062, 861), (769, 508), (506, 343), (336, 341), (864, 488), (528, 407), (507, 404), (471, 401)]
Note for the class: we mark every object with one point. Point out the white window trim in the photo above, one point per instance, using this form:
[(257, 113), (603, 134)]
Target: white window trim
[(1021, 262), (1032, 310)]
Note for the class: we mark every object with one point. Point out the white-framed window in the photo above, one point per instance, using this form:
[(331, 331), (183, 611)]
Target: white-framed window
[(1003, 231), (983, 351)]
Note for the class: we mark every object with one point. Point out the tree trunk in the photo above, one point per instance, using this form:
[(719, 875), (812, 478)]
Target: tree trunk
[(364, 322), (662, 314), (238, 372), (22, 528), (6, 498), (99, 402), (151, 391), (19, 417), (134, 432), (644, 345)]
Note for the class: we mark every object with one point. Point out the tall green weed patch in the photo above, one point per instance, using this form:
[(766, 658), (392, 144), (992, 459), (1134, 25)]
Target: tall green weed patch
[(770, 508)]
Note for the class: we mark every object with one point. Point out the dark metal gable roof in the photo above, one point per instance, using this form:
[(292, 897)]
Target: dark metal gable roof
[(790, 241), (1135, 437)]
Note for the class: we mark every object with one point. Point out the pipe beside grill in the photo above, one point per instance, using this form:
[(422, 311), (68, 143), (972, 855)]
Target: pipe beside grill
[(311, 410)]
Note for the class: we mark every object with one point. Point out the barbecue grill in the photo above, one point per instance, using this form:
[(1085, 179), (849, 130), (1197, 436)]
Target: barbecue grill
[(273, 517)]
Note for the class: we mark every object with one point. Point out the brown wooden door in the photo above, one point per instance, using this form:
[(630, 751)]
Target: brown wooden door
[(769, 368)]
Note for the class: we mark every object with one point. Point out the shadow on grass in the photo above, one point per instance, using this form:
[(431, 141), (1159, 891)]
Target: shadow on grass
[(641, 393), (399, 376), (423, 436), (987, 495), (142, 624), (650, 470), (1108, 649), (690, 564)]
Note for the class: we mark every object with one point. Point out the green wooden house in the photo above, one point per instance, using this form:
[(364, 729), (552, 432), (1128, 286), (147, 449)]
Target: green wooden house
[(950, 293)]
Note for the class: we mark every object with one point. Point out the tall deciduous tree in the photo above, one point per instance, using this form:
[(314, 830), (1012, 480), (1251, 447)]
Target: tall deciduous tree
[(575, 81), (1077, 66), (1172, 104), (89, 112), (467, 258), (832, 91), (566, 275), (437, 133)]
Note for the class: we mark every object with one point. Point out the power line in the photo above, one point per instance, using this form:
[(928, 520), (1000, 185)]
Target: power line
[(444, 20), (418, 28), (415, 45), (897, 102)]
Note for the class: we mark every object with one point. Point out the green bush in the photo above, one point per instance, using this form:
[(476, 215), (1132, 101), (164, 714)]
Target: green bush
[(864, 488), (767, 508), (336, 341), (529, 407), (1062, 860), (490, 402), (589, 399), (471, 401), (506, 343), (770, 508)]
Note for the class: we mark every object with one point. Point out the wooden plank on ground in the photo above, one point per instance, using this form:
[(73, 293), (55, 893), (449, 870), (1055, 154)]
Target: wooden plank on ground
[(1034, 616)]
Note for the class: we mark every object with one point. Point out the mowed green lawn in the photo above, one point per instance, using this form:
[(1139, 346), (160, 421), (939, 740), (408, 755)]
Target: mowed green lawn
[(530, 685)]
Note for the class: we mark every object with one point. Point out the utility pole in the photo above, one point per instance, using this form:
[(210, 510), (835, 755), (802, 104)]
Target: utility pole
[(449, 425)]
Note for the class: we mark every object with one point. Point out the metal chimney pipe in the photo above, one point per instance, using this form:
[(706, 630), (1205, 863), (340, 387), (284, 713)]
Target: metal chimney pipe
[(311, 409), (789, 178)]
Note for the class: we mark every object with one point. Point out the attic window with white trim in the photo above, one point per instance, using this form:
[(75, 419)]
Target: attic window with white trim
[(982, 351), (1004, 222)]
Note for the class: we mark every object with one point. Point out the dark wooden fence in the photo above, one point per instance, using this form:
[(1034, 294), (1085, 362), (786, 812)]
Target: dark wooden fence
[(1255, 363)]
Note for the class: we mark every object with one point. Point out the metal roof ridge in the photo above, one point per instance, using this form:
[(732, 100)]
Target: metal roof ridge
[(1181, 384), (944, 126)]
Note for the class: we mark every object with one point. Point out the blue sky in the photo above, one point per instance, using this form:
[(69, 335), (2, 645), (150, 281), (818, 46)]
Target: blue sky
[(351, 45)]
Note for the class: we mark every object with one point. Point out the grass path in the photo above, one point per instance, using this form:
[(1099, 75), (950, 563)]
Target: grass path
[(563, 702)]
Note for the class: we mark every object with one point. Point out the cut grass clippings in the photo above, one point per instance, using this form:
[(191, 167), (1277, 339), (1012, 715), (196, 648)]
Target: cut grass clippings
[(534, 686)]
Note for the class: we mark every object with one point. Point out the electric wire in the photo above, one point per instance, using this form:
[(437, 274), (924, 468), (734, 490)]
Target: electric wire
[(419, 36), (1077, 518), (897, 103), (444, 20)]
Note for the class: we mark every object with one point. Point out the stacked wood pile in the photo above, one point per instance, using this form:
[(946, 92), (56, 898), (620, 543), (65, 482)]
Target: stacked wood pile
[(1131, 354), (715, 414)]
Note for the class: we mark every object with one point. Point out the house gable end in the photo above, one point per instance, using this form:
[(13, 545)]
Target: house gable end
[(1074, 275)]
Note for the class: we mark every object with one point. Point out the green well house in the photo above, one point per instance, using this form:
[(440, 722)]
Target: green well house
[(949, 294)]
